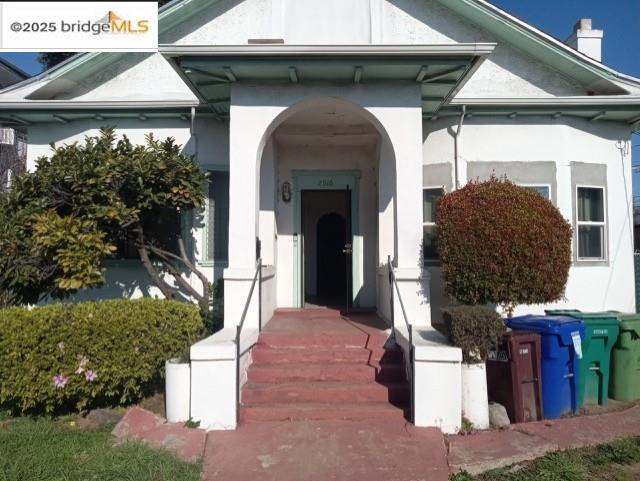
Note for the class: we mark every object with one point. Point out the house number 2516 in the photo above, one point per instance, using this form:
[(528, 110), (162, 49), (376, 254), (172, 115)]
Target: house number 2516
[(325, 183)]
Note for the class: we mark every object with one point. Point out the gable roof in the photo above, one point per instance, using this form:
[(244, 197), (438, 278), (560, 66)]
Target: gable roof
[(541, 45), (551, 51), (10, 74), (610, 86)]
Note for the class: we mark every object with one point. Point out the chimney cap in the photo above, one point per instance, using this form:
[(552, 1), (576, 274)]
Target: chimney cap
[(583, 24)]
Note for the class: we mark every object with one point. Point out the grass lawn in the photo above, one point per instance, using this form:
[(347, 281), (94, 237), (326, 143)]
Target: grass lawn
[(54, 450), (617, 461)]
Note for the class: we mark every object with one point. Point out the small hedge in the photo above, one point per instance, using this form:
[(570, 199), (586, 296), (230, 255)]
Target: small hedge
[(474, 329), (62, 358)]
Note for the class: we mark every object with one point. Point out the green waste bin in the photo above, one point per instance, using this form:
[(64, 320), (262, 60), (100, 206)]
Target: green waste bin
[(601, 334), (625, 360)]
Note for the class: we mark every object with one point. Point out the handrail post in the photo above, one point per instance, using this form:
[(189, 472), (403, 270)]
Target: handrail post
[(394, 284), (238, 329), (257, 278), (259, 295), (391, 310)]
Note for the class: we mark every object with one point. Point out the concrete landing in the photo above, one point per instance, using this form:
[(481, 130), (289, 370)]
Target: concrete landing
[(326, 450)]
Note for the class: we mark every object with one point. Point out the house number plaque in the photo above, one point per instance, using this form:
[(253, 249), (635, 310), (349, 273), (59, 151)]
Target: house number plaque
[(325, 183)]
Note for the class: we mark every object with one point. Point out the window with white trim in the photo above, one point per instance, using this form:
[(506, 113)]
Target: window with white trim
[(543, 189), (217, 217), (591, 223), (430, 200)]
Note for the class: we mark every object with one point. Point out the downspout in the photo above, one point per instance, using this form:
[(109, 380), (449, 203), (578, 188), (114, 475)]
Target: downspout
[(192, 131), (457, 148)]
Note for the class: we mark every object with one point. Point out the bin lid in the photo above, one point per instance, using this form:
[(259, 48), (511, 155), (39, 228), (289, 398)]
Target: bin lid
[(561, 326), (600, 318), (630, 322)]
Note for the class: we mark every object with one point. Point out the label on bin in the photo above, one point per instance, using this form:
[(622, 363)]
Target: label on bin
[(498, 356), (600, 332), (577, 343)]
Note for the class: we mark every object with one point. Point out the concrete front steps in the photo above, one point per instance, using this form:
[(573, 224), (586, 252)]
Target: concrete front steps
[(324, 376)]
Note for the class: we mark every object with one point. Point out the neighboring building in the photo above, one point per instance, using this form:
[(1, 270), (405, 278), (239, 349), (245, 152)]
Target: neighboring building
[(13, 141), (335, 125)]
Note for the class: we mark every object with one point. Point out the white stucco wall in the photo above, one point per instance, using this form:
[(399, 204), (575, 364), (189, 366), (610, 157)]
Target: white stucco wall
[(591, 286)]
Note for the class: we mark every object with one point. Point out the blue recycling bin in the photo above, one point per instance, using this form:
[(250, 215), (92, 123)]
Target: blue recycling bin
[(560, 363)]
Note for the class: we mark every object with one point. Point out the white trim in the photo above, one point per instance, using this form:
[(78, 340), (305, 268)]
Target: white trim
[(432, 223), (533, 185), (603, 224), (595, 100), (476, 49), (206, 261), (118, 104)]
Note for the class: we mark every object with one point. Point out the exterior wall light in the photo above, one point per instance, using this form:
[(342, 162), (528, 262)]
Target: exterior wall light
[(286, 191)]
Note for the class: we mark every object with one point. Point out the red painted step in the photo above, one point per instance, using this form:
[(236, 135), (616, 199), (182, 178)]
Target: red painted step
[(288, 340), (320, 411), (277, 373), (303, 355), (325, 392)]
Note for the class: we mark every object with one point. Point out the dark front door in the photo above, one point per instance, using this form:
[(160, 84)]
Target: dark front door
[(326, 220), (332, 261)]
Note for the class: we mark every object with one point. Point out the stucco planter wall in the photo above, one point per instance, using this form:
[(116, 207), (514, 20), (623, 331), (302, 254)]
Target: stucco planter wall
[(177, 390), (475, 401)]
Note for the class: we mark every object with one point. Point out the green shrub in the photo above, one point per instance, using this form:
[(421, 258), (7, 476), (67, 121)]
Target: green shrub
[(502, 244), (474, 329), (62, 358)]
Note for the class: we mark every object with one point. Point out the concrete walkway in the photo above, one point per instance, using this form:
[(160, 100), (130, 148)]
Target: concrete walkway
[(326, 450), (486, 450), (367, 450)]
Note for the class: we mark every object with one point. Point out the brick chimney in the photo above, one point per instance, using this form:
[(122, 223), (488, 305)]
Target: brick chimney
[(586, 40)]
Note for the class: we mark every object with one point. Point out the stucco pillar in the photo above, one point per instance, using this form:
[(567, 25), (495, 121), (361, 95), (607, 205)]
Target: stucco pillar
[(246, 131), (404, 128)]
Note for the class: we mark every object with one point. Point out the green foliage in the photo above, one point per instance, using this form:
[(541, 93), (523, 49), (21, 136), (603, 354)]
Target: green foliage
[(123, 343), (75, 245), (51, 450), (502, 244), (59, 222), (474, 329)]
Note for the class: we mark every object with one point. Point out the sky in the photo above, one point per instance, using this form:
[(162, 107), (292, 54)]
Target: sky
[(620, 20)]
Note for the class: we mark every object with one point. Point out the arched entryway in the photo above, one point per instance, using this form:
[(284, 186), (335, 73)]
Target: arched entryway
[(327, 145)]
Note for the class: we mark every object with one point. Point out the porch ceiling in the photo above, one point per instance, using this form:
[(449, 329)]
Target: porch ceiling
[(441, 70)]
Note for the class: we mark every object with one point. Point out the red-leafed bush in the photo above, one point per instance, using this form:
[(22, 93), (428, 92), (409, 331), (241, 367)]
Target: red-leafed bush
[(502, 244)]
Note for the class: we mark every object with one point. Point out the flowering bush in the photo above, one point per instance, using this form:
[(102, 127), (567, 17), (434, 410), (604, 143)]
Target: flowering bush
[(62, 358), (502, 244)]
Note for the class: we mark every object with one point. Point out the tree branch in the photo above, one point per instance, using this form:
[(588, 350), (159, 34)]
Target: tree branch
[(167, 291), (177, 275), (166, 256)]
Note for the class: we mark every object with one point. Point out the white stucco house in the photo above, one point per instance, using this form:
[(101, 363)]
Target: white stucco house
[(340, 123)]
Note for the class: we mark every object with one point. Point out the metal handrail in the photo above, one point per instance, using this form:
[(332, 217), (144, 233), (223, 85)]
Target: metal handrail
[(393, 285), (257, 278)]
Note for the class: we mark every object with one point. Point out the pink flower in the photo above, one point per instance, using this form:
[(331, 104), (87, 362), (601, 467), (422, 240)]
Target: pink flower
[(60, 381), (90, 375)]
